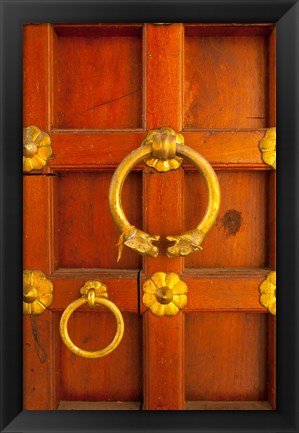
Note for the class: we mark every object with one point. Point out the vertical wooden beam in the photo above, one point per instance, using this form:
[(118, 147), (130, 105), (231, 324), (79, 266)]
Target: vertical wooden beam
[(163, 214), (164, 385), (37, 72), (272, 223), (272, 78), (39, 358)]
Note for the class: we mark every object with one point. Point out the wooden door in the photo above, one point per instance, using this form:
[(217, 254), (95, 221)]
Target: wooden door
[(97, 90)]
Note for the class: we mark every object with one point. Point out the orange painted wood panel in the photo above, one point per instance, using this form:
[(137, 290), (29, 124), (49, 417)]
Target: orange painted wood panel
[(272, 78), (239, 238), (39, 233), (272, 223), (272, 220), (272, 360), (40, 378), (227, 149), (164, 383), (96, 150), (224, 291), (163, 215), (226, 356), (163, 66), (87, 235), (116, 377), (98, 81), (228, 405), (36, 72), (39, 252), (226, 82)]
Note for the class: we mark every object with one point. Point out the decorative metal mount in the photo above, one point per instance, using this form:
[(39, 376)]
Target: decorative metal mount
[(37, 292), (163, 142), (97, 287), (164, 294), (163, 146), (268, 293), (93, 293), (37, 149), (267, 146)]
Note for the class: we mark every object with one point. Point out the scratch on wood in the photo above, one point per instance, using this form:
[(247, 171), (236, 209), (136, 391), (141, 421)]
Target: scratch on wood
[(112, 100), (40, 351)]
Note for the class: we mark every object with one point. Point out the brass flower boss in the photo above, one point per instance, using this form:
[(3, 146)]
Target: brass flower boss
[(163, 149)]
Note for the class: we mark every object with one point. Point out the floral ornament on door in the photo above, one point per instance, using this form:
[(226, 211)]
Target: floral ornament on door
[(164, 294), (37, 149)]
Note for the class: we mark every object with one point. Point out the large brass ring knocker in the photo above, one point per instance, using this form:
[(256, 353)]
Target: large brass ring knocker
[(93, 293), (141, 241)]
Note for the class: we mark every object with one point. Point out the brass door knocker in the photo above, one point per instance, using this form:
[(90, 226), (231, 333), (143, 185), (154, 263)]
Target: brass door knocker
[(163, 149), (93, 293)]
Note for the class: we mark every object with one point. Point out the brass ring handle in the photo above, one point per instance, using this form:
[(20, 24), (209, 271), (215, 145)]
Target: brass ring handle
[(141, 241), (92, 300)]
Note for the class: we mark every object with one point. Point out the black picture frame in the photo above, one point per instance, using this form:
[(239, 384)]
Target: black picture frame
[(16, 13)]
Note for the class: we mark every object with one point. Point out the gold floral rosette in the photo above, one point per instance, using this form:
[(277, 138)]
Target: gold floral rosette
[(164, 293)]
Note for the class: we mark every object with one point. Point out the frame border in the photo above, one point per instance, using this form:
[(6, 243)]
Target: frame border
[(15, 13)]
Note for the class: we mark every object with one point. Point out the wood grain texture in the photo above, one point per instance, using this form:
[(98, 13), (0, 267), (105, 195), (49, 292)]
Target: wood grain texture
[(272, 78), (87, 235), (99, 405), (163, 66), (40, 387), (163, 215), (36, 73), (239, 237), (227, 149), (93, 150), (98, 82), (272, 223), (232, 290), (231, 149), (272, 220), (272, 360), (226, 356), (228, 405), (39, 223), (163, 345), (116, 377), (225, 82)]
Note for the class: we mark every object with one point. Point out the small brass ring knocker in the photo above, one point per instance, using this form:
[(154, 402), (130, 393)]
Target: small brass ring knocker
[(92, 300), (141, 241)]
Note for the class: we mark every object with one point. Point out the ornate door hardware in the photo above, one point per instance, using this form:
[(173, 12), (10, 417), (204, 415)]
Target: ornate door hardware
[(37, 149), (162, 150), (267, 146), (93, 293), (37, 292), (268, 293), (164, 293)]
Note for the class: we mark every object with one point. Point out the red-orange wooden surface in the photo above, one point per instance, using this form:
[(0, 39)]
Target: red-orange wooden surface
[(97, 90)]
